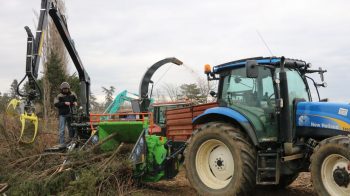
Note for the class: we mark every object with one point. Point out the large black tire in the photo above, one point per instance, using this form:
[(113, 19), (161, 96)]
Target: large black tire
[(220, 160), (331, 158)]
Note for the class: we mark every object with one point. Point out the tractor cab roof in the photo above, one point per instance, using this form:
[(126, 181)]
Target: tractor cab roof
[(274, 61)]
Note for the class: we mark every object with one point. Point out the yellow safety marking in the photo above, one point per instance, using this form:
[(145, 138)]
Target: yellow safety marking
[(41, 43), (14, 103), (34, 119), (344, 126), (23, 117)]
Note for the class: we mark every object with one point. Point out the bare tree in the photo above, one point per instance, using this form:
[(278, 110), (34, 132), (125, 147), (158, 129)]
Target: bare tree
[(172, 91), (205, 87)]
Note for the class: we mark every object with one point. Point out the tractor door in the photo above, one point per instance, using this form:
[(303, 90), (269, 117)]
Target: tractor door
[(253, 97), (298, 90)]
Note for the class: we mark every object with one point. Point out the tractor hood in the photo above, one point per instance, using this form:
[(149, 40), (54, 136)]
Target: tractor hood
[(323, 115)]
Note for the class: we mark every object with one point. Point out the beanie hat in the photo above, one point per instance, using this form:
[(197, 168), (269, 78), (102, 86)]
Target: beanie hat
[(64, 85)]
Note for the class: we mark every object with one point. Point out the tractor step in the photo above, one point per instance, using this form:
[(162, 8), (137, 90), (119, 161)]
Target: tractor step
[(268, 168)]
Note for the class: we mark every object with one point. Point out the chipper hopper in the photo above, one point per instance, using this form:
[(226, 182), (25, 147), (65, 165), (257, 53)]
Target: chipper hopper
[(150, 154)]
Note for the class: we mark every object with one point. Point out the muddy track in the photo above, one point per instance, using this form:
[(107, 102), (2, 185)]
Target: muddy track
[(180, 186)]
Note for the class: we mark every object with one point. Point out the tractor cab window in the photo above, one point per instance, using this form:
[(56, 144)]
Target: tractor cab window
[(296, 86), (159, 115), (240, 90), (253, 97)]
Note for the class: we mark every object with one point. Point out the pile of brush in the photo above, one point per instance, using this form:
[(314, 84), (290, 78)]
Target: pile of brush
[(27, 170)]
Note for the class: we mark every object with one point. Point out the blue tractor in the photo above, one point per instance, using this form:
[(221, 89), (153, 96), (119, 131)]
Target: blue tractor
[(266, 130)]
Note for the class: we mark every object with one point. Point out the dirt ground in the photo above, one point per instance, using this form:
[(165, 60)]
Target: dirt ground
[(180, 186)]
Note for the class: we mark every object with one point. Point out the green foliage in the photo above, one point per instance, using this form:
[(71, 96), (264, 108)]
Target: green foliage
[(43, 186), (56, 75), (192, 92), (4, 100), (85, 183), (13, 89), (74, 82), (108, 95)]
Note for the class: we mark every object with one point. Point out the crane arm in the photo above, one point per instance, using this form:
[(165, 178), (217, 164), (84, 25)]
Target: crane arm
[(34, 53), (119, 100)]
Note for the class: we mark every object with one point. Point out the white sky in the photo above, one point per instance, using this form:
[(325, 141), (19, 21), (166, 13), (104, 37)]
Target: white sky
[(117, 40)]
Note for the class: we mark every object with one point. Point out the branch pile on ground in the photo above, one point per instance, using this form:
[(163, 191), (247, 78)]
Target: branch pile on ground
[(29, 171)]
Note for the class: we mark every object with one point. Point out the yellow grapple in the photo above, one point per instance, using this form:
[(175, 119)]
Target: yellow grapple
[(24, 116)]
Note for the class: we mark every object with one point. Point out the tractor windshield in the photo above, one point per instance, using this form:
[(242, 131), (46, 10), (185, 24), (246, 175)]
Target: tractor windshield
[(296, 86)]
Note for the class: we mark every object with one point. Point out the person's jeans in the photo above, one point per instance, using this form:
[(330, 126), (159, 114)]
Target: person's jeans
[(64, 120)]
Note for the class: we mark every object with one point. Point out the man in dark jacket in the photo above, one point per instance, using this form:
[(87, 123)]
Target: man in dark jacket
[(64, 102)]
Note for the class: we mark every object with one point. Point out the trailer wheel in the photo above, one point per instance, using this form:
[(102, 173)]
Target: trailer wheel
[(330, 166), (220, 160)]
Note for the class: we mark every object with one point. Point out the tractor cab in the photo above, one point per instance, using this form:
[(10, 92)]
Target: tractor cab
[(252, 88)]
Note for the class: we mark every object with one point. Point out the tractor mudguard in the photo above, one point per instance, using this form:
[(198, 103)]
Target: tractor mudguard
[(223, 113)]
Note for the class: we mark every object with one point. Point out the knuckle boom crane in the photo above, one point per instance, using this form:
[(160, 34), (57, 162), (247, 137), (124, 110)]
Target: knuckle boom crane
[(33, 56)]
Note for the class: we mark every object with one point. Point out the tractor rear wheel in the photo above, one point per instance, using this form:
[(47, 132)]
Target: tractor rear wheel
[(330, 166), (220, 160)]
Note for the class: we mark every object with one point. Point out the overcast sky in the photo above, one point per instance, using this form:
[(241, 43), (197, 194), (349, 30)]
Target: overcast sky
[(117, 40)]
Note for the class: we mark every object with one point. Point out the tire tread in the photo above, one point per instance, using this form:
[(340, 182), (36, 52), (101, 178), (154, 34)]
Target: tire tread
[(248, 156)]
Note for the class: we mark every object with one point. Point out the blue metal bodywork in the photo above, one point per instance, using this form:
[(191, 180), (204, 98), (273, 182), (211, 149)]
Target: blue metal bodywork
[(311, 119), (323, 115), (223, 111), (227, 113), (241, 63)]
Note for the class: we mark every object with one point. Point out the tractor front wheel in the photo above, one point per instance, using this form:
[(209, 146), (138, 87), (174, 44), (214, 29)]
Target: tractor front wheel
[(220, 160), (330, 166)]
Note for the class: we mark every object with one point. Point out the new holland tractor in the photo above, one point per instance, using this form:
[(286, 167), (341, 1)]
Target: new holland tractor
[(266, 129)]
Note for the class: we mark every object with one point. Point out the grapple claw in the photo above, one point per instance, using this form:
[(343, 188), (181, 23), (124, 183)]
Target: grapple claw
[(12, 108), (34, 120), (13, 105)]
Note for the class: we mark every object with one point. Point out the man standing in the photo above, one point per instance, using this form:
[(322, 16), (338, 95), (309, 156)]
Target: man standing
[(64, 102)]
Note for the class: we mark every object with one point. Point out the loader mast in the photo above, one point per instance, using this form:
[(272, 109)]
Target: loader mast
[(34, 53)]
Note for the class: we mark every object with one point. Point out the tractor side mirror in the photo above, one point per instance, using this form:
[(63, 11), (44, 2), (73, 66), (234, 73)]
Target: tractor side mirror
[(252, 69), (212, 93), (321, 73)]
